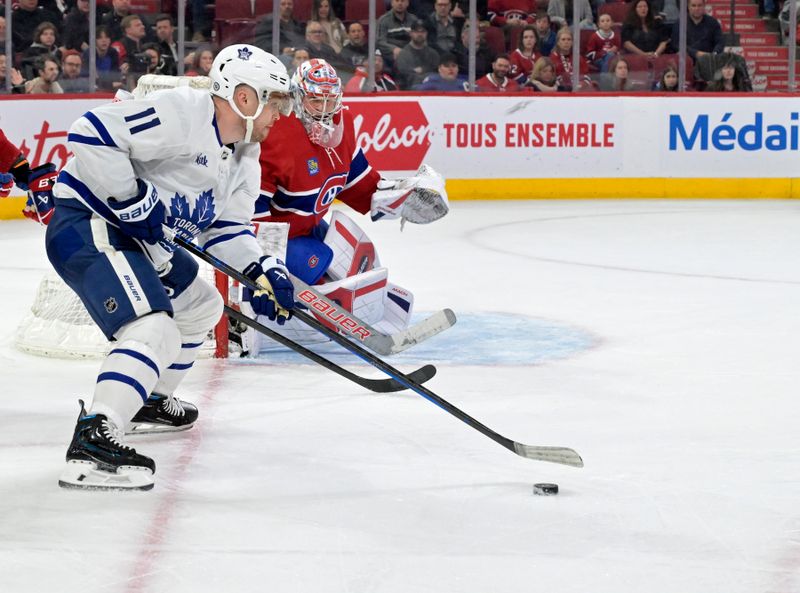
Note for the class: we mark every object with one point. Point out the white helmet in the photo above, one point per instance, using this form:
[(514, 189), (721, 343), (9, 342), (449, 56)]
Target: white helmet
[(317, 80), (261, 71)]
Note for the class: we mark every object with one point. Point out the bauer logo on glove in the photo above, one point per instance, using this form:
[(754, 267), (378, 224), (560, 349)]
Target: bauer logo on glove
[(275, 298), (41, 180)]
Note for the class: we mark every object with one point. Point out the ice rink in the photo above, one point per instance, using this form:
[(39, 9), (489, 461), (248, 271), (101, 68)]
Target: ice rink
[(660, 339)]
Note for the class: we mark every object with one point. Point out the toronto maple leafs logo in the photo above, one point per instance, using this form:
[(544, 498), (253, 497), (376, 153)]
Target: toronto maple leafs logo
[(190, 221), (244, 53)]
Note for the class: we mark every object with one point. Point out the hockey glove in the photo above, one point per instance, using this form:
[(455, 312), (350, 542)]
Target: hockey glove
[(6, 183), (420, 199), (40, 205), (276, 297), (142, 215)]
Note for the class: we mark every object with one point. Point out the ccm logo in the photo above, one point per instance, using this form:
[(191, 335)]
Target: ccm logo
[(334, 315)]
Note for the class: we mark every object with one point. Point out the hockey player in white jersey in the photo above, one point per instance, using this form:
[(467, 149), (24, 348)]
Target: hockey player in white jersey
[(189, 160)]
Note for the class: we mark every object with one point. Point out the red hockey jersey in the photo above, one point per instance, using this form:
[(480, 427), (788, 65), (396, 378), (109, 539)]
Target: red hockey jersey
[(300, 179)]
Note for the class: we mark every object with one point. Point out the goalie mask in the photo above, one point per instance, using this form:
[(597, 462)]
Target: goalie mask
[(318, 102), (261, 71)]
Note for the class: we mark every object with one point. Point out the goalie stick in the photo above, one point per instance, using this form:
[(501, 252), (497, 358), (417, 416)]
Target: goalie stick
[(421, 375), (561, 455), (348, 324)]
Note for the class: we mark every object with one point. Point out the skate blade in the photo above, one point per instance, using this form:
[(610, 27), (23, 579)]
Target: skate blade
[(149, 428), (84, 475)]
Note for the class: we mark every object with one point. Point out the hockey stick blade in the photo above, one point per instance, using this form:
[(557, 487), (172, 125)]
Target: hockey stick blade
[(348, 324), (561, 455), (421, 375), (551, 454)]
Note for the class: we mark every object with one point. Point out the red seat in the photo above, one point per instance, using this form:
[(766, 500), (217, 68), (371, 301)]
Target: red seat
[(637, 63), (231, 31), (302, 10), (495, 39), (617, 10), (234, 9), (358, 10)]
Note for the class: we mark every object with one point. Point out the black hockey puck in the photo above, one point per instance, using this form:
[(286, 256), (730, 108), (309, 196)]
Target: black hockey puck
[(545, 489)]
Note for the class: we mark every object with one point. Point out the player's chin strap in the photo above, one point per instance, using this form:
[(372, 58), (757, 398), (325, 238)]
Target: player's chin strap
[(248, 119)]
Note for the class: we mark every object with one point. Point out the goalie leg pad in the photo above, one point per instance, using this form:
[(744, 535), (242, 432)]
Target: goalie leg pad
[(353, 251), (397, 311)]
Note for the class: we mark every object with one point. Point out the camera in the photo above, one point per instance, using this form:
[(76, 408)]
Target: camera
[(139, 62)]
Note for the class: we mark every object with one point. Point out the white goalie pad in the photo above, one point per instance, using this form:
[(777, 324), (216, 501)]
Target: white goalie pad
[(369, 296), (420, 199), (353, 251)]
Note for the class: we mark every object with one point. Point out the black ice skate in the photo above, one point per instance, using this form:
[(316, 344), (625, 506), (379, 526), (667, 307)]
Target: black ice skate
[(97, 460), (162, 413)]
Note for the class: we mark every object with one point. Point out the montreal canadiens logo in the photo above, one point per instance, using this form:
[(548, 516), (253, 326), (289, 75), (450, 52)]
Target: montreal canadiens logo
[(328, 192), (313, 261)]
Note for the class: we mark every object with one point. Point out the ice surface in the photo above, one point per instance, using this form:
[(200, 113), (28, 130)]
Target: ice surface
[(680, 391)]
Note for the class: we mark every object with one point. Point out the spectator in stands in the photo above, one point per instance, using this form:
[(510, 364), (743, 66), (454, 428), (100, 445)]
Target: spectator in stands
[(543, 78), (76, 26), (291, 31), (109, 69), (112, 20), (44, 42), (156, 64), (299, 56), (45, 81), (446, 79), (71, 79), (560, 12), (394, 30), (443, 29), (383, 82), (131, 43), (524, 57), (642, 33), (562, 60), (498, 80), (729, 78), (166, 44), (668, 82), (201, 60), (510, 14), (28, 15), (17, 81), (703, 32), (603, 45), (322, 12), (417, 59), (316, 47), (484, 56), (547, 37), (355, 48), (3, 32), (618, 78)]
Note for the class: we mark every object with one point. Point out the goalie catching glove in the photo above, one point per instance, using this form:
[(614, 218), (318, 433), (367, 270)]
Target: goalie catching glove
[(276, 297), (419, 199)]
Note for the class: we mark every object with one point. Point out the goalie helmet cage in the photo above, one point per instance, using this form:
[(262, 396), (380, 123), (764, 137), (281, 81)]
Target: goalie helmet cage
[(58, 325)]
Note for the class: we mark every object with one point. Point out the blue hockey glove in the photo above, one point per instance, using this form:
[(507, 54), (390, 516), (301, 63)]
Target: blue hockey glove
[(41, 180), (276, 297), (142, 215), (6, 183)]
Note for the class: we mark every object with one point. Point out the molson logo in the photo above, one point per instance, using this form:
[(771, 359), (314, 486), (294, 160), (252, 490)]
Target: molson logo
[(724, 135), (394, 135)]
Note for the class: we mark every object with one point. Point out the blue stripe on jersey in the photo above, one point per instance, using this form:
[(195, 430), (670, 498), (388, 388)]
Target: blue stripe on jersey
[(84, 192), (224, 238), (85, 140), (145, 126), (192, 345), (126, 380), (180, 367), (358, 166), (141, 114), (101, 129), (302, 203), (262, 205), (216, 128), (138, 356)]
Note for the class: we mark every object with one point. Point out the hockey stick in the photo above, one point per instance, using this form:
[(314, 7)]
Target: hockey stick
[(562, 455), (383, 344), (377, 385)]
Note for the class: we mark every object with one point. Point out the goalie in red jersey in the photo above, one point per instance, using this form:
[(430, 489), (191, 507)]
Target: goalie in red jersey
[(311, 158), (38, 182)]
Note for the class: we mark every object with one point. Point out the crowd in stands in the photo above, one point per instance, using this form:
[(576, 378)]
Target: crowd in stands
[(422, 45)]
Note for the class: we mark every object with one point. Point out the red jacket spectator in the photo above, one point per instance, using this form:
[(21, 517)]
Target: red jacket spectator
[(511, 12)]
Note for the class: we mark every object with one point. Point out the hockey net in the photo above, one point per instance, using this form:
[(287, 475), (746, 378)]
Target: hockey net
[(58, 324)]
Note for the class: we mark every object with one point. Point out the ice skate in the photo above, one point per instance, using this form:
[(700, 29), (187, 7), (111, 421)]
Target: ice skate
[(162, 413), (97, 460)]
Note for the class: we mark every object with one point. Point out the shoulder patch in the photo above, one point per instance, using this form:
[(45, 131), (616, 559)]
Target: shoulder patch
[(313, 166)]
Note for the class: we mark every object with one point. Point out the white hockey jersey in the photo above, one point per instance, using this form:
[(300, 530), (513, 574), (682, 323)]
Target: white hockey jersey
[(170, 138)]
